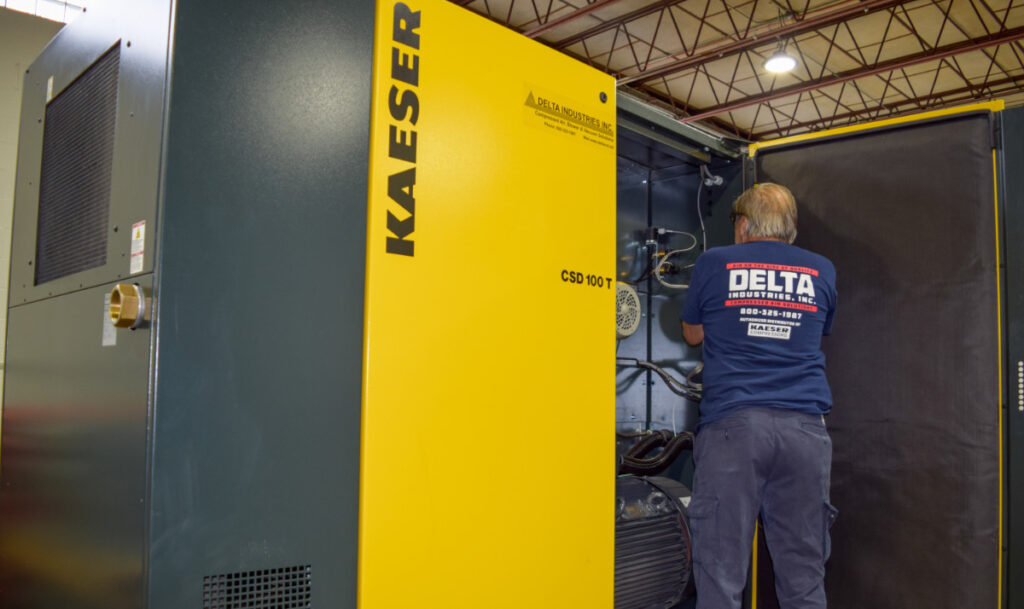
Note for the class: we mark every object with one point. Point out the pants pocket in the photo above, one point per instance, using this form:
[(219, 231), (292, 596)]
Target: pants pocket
[(815, 425), (829, 513), (702, 514)]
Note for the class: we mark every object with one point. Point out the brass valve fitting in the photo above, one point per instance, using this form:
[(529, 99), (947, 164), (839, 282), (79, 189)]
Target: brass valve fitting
[(127, 305)]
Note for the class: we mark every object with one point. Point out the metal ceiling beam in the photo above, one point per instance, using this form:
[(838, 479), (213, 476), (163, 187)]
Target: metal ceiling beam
[(944, 98), (921, 103), (933, 54), (614, 23), (809, 24), (553, 23), (672, 105)]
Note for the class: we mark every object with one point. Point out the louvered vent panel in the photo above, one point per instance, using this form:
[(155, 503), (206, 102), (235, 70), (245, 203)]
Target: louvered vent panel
[(282, 588), (74, 185), (650, 561)]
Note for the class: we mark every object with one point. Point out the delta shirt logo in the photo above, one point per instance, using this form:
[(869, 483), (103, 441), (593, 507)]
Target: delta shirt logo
[(764, 306), (772, 285)]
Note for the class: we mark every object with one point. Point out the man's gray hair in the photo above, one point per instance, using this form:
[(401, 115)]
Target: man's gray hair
[(770, 210)]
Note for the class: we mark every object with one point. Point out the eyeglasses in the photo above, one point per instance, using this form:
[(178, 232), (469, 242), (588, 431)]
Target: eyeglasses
[(733, 215)]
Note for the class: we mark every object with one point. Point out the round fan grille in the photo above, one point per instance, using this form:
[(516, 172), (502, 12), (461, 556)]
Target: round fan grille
[(627, 310)]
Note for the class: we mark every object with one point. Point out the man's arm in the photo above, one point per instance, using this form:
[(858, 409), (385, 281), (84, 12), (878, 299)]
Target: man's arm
[(694, 334)]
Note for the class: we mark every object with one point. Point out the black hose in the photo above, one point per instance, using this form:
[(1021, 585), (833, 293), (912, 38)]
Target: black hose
[(655, 439), (653, 465), (671, 451), (675, 386)]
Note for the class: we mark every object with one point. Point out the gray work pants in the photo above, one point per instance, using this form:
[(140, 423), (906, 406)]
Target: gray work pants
[(771, 462)]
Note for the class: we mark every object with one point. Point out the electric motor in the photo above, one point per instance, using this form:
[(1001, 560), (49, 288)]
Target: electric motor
[(653, 551)]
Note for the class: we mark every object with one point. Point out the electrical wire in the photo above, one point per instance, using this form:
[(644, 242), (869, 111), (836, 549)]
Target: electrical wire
[(650, 265), (706, 179), (700, 216), (664, 260), (662, 231)]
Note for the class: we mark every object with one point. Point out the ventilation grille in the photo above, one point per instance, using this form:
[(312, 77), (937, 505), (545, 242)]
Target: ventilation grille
[(74, 185), (283, 588)]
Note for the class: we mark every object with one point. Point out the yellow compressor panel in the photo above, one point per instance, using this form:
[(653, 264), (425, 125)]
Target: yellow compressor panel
[(488, 406)]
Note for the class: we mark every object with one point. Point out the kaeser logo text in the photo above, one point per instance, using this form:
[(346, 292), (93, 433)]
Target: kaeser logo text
[(768, 330), (404, 105)]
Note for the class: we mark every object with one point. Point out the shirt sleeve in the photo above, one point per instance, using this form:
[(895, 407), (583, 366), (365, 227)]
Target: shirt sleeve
[(831, 312), (691, 312), (828, 321)]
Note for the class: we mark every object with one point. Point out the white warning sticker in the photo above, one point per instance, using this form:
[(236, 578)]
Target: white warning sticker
[(49, 89), (138, 247), (109, 331)]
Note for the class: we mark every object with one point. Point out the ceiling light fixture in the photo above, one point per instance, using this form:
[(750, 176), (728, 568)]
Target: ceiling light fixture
[(780, 62)]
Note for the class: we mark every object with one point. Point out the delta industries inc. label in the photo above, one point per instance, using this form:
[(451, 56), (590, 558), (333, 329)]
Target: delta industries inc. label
[(567, 117)]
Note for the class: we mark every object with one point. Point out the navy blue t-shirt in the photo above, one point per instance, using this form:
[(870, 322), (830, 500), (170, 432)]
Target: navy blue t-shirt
[(764, 306)]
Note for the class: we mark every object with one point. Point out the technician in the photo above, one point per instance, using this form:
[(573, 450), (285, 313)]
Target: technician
[(760, 307)]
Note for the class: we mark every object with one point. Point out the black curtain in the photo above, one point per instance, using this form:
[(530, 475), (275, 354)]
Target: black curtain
[(907, 216)]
